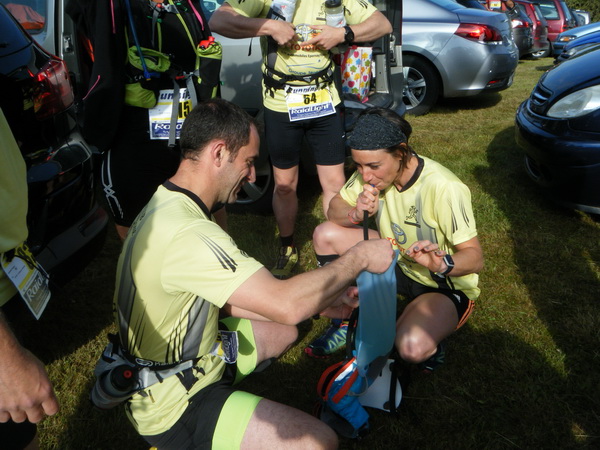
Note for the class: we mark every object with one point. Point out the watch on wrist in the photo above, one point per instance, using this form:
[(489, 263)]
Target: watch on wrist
[(450, 263), (348, 35)]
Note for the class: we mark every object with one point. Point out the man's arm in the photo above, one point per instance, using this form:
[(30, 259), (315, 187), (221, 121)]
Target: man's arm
[(300, 297), (227, 22), (25, 390), (373, 28)]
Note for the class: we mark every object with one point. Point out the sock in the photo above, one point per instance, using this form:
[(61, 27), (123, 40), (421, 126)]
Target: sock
[(322, 260), (287, 241)]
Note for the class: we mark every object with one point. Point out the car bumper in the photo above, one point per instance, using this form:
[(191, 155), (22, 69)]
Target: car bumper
[(475, 67), (564, 161)]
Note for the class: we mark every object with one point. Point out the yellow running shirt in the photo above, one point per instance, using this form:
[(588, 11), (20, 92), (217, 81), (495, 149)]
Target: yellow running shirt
[(297, 61), (176, 269)]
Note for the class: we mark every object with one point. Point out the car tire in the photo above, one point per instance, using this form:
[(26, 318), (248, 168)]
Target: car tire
[(422, 85), (541, 54)]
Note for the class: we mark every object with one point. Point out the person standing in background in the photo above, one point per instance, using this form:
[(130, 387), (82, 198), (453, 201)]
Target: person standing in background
[(299, 94)]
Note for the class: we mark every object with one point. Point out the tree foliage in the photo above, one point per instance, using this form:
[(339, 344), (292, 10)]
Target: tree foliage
[(592, 6)]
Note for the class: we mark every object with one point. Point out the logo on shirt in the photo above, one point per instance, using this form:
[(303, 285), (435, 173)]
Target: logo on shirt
[(399, 234), (412, 213)]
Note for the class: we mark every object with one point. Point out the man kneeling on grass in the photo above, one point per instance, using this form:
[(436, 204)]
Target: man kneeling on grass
[(179, 271)]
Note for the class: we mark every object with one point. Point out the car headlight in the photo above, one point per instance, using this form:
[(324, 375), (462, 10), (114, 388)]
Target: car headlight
[(576, 104), (566, 38)]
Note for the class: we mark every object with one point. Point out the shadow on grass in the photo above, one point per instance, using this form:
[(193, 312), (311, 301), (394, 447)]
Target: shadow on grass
[(556, 252)]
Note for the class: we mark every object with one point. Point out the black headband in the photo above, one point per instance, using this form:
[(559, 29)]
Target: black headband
[(373, 132)]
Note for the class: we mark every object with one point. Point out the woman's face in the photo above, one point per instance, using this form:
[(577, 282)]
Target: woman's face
[(377, 167)]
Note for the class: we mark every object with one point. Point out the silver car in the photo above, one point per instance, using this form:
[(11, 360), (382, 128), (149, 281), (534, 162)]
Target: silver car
[(452, 51)]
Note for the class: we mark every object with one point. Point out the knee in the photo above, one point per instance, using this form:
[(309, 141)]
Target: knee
[(323, 236), (414, 350), (284, 189), (327, 438)]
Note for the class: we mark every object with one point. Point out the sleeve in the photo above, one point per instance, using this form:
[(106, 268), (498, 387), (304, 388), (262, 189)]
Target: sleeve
[(213, 271), (352, 188), (250, 8), (455, 213), (357, 11)]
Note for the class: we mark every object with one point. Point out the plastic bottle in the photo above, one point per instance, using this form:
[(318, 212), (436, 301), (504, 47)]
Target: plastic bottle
[(282, 10), (114, 387), (334, 13), (334, 17)]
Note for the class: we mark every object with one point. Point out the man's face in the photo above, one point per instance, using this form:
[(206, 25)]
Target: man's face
[(241, 170)]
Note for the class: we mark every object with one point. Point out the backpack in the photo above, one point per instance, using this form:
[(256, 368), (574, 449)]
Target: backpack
[(371, 373)]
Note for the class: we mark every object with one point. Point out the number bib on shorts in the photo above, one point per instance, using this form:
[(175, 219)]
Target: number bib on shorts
[(308, 102), (160, 115), (29, 277)]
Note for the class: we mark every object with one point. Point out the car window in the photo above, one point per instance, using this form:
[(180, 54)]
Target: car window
[(549, 10), (210, 6), (30, 13)]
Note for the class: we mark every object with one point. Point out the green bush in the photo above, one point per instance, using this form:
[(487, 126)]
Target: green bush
[(592, 6)]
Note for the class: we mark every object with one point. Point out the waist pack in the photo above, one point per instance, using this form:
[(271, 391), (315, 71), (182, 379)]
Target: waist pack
[(119, 376)]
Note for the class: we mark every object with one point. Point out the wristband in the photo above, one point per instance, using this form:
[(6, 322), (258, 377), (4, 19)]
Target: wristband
[(350, 217)]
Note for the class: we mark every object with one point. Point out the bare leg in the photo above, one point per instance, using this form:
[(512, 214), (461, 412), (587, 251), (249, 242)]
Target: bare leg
[(122, 231), (332, 180), (424, 323), (285, 200), (272, 338), (277, 426), (332, 239)]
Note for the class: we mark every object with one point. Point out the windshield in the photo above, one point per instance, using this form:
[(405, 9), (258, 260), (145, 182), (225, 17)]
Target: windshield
[(549, 9)]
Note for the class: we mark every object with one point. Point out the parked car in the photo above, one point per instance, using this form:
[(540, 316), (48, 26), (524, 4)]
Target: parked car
[(558, 16), (66, 225), (578, 46), (582, 17), (539, 28), (571, 35), (557, 127), (522, 26), (452, 51)]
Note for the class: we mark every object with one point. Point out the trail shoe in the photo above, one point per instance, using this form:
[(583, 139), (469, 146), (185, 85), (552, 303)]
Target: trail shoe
[(288, 258), (435, 360), (333, 339)]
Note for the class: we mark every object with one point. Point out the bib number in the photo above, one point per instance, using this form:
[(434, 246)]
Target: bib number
[(30, 279), (226, 346), (160, 115), (308, 102)]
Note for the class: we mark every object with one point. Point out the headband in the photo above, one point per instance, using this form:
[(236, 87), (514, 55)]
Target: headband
[(373, 131)]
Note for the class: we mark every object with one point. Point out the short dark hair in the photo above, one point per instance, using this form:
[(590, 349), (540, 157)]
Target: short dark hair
[(215, 119)]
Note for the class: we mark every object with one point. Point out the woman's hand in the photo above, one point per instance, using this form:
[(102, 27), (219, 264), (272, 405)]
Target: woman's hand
[(428, 254), (343, 306)]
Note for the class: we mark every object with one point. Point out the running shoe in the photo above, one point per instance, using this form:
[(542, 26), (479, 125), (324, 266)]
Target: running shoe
[(435, 360), (288, 258), (333, 339)]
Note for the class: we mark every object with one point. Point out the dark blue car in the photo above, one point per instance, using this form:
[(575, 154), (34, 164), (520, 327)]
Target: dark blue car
[(578, 45), (558, 127)]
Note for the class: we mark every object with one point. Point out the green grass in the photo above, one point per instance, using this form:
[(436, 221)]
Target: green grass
[(522, 373)]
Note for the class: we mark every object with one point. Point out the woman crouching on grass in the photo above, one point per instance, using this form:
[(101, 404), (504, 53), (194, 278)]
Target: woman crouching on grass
[(425, 212)]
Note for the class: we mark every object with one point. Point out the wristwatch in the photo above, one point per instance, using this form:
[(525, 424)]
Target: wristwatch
[(348, 35), (450, 263)]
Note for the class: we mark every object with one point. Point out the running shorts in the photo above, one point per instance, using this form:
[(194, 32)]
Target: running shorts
[(325, 135)]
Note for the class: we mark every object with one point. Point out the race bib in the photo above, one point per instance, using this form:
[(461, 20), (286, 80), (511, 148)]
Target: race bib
[(226, 346), (30, 279), (308, 102), (160, 115)]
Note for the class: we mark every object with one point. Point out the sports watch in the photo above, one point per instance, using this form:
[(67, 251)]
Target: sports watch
[(348, 35), (450, 263)]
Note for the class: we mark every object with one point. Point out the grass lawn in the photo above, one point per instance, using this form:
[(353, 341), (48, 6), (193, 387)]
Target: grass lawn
[(523, 373)]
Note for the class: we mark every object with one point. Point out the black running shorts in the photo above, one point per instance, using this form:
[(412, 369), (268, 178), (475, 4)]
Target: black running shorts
[(325, 136)]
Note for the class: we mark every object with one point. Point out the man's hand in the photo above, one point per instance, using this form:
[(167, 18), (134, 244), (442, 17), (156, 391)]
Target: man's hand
[(428, 255), (282, 32), (376, 254), (326, 38), (25, 390)]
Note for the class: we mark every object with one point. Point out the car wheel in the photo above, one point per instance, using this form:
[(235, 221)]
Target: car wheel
[(540, 54), (256, 197), (422, 85)]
